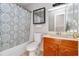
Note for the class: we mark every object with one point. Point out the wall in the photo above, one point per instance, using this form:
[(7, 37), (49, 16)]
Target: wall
[(43, 27), (14, 29), (33, 6)]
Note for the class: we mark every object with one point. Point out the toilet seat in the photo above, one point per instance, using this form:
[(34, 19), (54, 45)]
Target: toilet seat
[(33, 46)]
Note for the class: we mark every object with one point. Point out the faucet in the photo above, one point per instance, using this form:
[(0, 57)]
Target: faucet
[(58, 33), (75, 35)]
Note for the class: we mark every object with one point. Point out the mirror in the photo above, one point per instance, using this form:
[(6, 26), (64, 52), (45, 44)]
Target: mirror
[(64, 20), (51, 21), (59, 24), (57, 20), (39, 16), (72, 18)]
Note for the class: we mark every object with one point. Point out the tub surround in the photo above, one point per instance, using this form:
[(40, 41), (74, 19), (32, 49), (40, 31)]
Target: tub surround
[(14, 26), (15, 51)]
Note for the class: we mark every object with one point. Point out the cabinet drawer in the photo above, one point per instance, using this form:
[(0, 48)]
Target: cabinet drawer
[(69, 43)]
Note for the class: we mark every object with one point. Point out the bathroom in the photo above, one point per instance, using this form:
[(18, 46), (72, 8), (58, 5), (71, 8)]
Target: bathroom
[(54, 29)]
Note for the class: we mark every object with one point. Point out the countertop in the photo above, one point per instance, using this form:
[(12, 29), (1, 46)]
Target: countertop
[(61, 38)]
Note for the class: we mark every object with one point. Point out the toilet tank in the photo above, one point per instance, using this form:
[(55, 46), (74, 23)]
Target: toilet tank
[(37, 37)]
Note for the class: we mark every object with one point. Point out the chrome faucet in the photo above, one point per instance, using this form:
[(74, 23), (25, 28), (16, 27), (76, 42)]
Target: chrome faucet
[(58, 33)]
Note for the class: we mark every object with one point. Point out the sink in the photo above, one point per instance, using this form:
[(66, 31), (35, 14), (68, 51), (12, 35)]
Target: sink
[(62, 35)]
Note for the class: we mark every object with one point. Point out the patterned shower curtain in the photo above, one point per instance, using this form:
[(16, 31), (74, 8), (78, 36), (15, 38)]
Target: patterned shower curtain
[(14, 25)]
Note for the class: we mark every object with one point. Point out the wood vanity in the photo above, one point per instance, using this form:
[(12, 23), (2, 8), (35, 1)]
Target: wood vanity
[(60, 46)]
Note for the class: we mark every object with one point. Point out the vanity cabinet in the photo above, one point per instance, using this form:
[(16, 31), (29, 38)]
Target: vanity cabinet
[(60, 47)]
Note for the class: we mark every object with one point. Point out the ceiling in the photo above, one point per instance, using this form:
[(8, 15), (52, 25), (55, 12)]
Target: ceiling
[(33, 6)]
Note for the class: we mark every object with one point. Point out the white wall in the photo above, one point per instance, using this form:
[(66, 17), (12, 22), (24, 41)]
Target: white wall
[(42, 27), (31, 7)]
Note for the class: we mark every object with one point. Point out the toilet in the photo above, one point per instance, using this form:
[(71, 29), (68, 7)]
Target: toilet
[(33, 48)]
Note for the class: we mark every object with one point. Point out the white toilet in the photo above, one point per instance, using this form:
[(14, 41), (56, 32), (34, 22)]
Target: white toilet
[(33, 48)]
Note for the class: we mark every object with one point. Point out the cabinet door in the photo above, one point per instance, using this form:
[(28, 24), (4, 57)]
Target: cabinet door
[(50, 47), (68, 48), (67, 51)]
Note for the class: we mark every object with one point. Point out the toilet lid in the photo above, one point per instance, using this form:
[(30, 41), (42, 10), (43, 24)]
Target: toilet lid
[(32, 46)]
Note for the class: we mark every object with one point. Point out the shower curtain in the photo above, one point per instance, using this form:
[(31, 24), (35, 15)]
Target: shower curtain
[(14, 25)]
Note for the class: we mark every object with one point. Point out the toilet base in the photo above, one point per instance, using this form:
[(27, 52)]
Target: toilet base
[(34, 53)]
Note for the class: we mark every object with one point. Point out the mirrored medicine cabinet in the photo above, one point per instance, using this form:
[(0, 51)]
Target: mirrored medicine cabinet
[(64, 18)]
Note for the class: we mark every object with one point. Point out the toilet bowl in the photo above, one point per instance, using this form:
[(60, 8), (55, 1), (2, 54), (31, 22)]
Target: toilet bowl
[(33, 48)]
